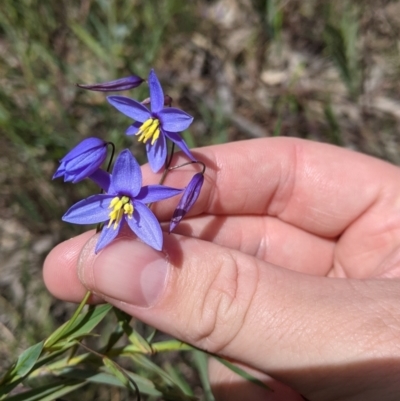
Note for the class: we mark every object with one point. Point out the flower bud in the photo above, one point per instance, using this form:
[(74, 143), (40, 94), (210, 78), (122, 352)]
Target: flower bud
[(82, 160), (189, 198), (121, 84)]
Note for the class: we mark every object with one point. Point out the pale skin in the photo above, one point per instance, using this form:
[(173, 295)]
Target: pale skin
[(288, 264)]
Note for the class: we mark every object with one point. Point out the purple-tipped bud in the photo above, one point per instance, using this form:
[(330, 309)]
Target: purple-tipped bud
[(82, 161), (121, 84), (189, 198)]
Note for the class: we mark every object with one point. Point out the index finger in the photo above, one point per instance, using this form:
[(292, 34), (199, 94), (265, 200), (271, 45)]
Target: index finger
[(317, 187)]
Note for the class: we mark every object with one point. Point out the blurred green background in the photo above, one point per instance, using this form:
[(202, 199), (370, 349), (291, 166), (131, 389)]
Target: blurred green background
[(322, 70)]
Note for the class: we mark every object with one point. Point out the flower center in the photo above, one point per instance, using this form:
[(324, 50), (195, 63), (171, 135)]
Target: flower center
[(149, 129), (120, 206)]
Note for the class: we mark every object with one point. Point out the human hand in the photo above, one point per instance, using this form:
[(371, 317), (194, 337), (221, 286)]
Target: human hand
[(289, 265)]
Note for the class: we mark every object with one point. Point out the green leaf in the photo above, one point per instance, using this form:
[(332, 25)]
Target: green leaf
[(48, 392), (116, 371), (25, 361), (163, 381), (242, 373), (5, 389), (136, 339), (179, 378), (122, 328), (121, 375), (151, 336), (82, 326), (200, 360), (145, 386)]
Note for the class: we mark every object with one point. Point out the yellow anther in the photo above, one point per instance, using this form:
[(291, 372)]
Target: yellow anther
[(119, 206), (149, 129), (113, 202), (145, 125), (128, 209), (155, 136), (148, 133)]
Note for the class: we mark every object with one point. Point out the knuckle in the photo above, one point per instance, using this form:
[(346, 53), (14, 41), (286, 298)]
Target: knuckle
[(221, 310)]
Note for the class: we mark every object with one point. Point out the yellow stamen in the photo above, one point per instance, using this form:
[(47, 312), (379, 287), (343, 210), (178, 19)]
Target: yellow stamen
[(119, 206), (155, 136), (114, 201), (149, 129), (145, 125), (128, 209), (148, 133)]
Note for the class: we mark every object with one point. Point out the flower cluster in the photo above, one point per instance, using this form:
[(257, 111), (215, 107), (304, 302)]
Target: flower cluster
[(123, 200)]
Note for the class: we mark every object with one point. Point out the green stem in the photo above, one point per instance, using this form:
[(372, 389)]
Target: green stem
[(58, 334)]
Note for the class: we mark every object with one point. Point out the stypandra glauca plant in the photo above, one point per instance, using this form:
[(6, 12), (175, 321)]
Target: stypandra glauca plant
[(64, 362)]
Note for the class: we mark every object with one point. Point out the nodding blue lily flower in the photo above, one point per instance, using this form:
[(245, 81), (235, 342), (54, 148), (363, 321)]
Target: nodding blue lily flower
[(121, 84), (82, 160), (154, 126), (189, 198), (124, 203)]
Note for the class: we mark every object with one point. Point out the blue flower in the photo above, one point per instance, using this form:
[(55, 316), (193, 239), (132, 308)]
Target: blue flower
[(82, 160), (121, 84), (153, 127), (124, 202), (189, 198)]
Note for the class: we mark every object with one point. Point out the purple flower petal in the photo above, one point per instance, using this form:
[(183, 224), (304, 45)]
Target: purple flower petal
[(146, 226), (102, 179), (157, 153), (89, 211), (60, 171), (178, 140), (155, 193), (79, 174), (156, 93), (86, 164), (81, 160), (133, 129), (68, 177), (121, 84), (189, 197), (130, 108), (174, 120), (106, 236), (84, 146), (126, 177)]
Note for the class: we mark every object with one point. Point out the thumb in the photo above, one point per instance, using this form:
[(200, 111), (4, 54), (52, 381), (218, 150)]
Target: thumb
[(290, 325)]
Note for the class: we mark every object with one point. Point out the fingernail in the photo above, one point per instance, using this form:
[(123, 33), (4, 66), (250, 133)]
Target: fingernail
[(126, 270)]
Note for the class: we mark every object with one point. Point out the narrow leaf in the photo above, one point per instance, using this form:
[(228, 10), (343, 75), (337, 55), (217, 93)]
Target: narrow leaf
[(116, 371), (136, 339), (179, 379), (242, 373), (82, 326), (200, 360), (48, 392), (145, 386)]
